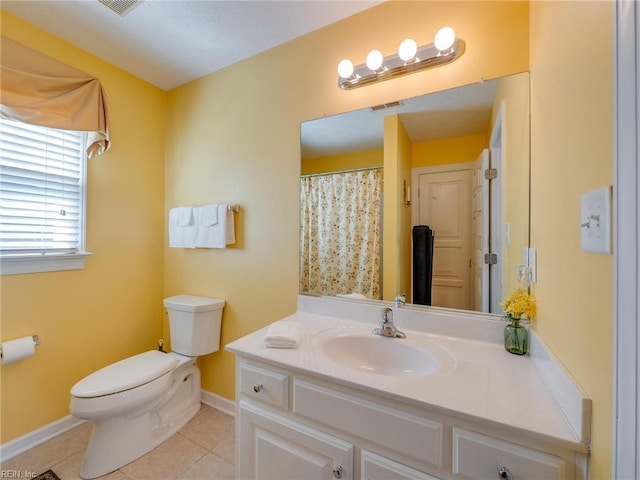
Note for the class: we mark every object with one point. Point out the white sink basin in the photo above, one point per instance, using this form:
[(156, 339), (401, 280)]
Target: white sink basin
[(372, 353)]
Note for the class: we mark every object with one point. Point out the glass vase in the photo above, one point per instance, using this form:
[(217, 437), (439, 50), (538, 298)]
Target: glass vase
[(516, 337)]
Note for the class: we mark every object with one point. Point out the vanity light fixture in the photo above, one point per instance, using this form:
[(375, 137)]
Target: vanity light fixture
[(410, 58)]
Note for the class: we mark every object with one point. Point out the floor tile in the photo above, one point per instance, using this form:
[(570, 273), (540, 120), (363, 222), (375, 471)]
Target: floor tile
[(214, 431), (209, 467), (202, 449), (43, 457), (168, 460)]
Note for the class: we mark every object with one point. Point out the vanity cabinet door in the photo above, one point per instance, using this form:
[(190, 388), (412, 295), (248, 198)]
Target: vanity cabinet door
[(277, 448), (477, 456), (377, 467)]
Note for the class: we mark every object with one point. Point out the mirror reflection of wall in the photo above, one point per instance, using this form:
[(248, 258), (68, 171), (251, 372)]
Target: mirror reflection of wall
[(434, 152)]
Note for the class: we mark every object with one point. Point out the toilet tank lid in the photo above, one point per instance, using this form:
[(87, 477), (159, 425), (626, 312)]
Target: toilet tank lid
[(125, 374), (193, 303)]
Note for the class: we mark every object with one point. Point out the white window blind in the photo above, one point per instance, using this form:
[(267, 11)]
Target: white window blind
[(42, 190)]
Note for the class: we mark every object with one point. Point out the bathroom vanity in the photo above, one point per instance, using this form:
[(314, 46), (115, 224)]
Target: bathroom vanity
[(446, 402)]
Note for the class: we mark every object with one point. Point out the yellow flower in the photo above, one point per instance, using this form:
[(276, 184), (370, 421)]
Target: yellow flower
[(520, 305)]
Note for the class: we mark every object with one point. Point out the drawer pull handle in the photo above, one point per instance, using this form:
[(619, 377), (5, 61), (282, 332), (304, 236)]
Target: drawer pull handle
[(337, 471), (504, 473), (257, 387)]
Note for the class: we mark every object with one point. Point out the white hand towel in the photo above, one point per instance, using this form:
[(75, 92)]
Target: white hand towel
[(359, 296), (208, 215), (185, 216), (217, 235), (182, 228), (283, 334)]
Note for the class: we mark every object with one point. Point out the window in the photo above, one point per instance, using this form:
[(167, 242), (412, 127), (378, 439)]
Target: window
[(42, 197)]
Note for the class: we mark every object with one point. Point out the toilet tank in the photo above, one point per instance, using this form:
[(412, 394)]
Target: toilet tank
[(194, 324)]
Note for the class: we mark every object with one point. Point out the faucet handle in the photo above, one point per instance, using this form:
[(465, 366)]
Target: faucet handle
[(400, 300), (387, 328), (387, 315)]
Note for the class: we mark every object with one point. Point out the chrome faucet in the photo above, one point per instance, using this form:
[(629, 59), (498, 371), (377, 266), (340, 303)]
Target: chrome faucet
[(387, 328), (400, 300)]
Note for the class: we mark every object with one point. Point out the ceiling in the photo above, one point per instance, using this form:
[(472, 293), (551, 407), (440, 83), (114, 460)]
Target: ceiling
[(451, 113), (171, 42)]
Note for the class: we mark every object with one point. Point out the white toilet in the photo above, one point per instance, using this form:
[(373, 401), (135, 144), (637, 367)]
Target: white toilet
[(140, 401)]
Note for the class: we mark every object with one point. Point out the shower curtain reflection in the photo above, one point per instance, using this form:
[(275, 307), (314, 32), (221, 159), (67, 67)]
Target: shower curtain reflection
[(340, 233)]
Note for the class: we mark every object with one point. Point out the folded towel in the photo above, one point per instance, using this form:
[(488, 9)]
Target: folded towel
[(184, 216), (352, 295), (208, 215), (182, 228), (217, 235), (283, 334)]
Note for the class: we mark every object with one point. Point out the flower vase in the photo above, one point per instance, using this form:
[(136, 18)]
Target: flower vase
[(516, 337)]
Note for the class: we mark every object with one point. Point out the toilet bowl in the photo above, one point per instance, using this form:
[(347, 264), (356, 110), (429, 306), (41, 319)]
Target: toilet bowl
[(140, 401)]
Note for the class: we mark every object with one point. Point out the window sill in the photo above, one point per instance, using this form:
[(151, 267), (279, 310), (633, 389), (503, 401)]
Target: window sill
[(18, 264)]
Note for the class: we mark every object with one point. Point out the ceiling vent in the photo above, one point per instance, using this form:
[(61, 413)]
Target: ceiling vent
[(121, 7), (383, 106)]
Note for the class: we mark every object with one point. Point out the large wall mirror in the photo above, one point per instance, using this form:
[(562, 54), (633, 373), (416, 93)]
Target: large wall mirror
[(427, 197)]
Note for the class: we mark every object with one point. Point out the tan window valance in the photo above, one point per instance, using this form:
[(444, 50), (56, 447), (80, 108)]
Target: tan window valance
[(40, 90)]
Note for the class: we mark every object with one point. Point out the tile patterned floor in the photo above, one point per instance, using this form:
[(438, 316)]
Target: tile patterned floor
[(202, 450)]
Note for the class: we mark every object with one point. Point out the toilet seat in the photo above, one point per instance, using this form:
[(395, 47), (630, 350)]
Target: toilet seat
[(125, 374)]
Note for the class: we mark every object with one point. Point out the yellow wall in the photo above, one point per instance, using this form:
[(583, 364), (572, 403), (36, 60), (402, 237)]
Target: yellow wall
[(572, 153), (403, 237), (448, 150), (234, 136), (396, 242), (513, 93), (89, 318), (335, 163)]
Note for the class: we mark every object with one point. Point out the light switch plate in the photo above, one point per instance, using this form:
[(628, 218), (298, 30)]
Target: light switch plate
[(595, 221)]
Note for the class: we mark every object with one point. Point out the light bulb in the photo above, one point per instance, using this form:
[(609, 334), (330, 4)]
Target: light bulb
[(374, 60), (444, 38), (345, 68), (407, 50)]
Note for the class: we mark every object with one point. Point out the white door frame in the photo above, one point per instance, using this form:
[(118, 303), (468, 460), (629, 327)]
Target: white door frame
[(626, 395), (477, 258), (496, 215)]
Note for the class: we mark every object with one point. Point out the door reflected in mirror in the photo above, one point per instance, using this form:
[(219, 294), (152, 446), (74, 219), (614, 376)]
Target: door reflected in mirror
[(455, 161)]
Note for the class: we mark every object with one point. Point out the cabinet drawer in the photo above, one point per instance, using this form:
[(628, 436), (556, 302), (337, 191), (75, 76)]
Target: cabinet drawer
[(477, 456), (265, 385), (403, 432)]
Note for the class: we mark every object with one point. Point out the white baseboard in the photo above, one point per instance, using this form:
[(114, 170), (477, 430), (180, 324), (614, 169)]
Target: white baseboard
[(33, 439), (219, 403)]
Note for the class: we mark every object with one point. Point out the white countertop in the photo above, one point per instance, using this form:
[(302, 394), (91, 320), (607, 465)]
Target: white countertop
[(480, 382)]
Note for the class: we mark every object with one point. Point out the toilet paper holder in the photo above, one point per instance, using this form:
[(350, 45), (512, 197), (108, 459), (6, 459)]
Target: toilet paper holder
[(36, 342)]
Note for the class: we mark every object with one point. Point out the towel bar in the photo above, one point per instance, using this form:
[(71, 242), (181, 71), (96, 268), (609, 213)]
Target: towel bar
[(234, 208)]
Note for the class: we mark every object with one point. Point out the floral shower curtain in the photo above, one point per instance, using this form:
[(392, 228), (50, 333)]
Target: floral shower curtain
[(340, 233)]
